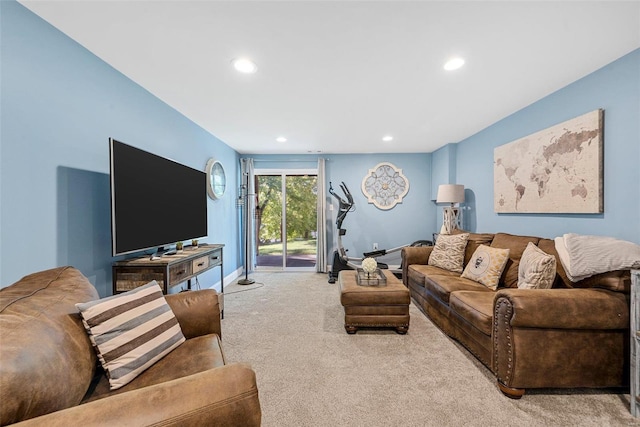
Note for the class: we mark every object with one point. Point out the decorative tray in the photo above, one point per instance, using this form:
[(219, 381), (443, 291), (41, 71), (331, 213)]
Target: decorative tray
[(377, 278)]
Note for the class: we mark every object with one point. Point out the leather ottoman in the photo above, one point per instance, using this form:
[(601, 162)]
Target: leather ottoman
[(374, 306)]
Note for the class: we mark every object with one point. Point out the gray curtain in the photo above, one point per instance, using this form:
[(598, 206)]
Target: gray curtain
[(321, 245), (248, 214)]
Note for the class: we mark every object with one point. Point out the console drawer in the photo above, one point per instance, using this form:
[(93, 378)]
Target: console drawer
[(179, 273), (199, 264), (215, 258), (126, 279)]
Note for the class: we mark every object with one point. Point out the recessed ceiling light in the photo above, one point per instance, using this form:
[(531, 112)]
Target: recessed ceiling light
[(453, 64), (244, 65), (281, 139), (387, 138)]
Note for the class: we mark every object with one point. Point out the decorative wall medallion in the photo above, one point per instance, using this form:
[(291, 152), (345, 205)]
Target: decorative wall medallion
[(385, 186)]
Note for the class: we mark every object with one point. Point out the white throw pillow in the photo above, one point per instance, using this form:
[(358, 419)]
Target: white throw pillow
[(537, 269), (131, 331)]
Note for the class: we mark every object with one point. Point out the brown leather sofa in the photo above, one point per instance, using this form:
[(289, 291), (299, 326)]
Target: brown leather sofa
[(572, 335), (48, 373)]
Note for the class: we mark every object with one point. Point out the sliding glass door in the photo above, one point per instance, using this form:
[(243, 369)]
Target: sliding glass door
[(286, 219)]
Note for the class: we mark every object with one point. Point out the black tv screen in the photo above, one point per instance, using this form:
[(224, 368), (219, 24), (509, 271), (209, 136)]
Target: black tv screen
[(155, 201)]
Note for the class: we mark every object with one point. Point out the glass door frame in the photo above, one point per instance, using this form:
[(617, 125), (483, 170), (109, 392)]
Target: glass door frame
[(283, 173)]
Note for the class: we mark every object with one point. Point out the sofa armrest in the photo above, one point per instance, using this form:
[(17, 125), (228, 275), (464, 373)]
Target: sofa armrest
[(414, 255), (227, 396), (198, 312), (559, 338), (563, 308)]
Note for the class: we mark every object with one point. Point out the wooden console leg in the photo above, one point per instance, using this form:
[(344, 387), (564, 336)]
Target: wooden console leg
[(402, 330), (351, 329), (512, 393)]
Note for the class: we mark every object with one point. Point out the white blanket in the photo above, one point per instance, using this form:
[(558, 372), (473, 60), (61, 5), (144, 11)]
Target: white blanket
[(584, 256)]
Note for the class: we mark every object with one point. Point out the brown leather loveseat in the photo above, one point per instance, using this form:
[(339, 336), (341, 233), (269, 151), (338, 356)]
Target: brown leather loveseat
[(49, 374), (571, 335)]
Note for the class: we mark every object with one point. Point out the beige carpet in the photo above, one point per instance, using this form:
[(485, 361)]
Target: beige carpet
[(310, 372)]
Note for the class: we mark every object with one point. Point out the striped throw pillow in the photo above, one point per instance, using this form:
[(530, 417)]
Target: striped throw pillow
[(131, 331)]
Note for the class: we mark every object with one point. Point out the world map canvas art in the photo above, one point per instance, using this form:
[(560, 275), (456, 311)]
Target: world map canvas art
[(556, 170)]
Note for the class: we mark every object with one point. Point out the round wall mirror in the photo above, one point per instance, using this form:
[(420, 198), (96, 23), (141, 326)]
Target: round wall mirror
[(216, 179)]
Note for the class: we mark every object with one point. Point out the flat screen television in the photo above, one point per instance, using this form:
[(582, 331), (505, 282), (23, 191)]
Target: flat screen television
[(155, 201)]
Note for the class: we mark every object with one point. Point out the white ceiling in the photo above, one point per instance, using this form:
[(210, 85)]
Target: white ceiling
[(336, 76)]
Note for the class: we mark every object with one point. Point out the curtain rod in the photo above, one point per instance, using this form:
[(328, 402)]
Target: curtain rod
[(286, 160)]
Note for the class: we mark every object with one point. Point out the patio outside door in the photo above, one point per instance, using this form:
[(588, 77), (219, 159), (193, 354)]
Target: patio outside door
[(286, 219)]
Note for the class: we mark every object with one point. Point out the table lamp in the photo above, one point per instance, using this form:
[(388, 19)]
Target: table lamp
[(452, 215)]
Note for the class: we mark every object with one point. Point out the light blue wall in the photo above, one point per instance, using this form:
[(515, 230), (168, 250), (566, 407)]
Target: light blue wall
[(60, 105), (614, 88), (443, 167), (411, 220), (443, 171)]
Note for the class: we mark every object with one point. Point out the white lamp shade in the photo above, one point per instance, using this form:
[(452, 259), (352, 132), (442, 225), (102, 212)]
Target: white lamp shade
[(450, 193)]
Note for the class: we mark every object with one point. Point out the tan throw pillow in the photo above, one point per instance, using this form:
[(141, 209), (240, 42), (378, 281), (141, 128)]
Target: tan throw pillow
[(448, 252), (131, 331), (486, 265), (537, 269)]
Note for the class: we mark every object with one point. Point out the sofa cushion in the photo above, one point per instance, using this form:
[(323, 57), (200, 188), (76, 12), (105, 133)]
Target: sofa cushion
[(474, 307), (448, 252), (131, 331), (195, 355), (516, 246), (537, 269), (486, 265), (417, 272), (617, 281), (442, 286), (46, 359)]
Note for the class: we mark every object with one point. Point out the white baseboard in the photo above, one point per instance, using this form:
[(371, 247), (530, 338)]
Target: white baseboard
[(227, 279)]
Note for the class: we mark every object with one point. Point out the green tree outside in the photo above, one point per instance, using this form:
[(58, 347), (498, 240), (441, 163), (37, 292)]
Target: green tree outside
[(301, 211)]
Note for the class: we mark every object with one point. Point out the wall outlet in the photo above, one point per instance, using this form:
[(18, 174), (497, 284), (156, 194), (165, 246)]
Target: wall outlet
[(375, 246)]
